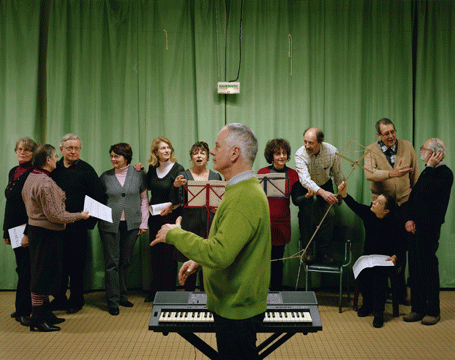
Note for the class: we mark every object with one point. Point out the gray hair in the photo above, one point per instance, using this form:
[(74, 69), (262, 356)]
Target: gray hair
[(41, 153), (67, 137), (437, 146), (242, 136), (27, 143), (383, 121)]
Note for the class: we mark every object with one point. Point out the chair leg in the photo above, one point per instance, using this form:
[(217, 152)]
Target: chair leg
[(307, 275), (394, 285), (356, 295), (341, 290)]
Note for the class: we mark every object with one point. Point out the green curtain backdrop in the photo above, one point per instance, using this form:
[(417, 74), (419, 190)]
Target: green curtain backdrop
[(131, 70)]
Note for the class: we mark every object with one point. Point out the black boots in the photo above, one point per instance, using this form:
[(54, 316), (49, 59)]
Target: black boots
[(39, 321), (49, 315)]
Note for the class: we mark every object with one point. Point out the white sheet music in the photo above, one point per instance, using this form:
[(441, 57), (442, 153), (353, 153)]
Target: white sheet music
[(15, 235), (368, 261), (98, 210), (156, 209)]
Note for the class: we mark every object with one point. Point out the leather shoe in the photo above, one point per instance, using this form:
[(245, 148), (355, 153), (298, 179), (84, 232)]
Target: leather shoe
[(378, 320), (73, 310), (126, 303), (364, 311), (150, 297), (59, 304), (327, 260), (430, 320), (413, 317), (14, 315), (114, 311), (24, 320)]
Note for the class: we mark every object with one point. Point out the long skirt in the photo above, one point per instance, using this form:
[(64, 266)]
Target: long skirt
[(46, 260)]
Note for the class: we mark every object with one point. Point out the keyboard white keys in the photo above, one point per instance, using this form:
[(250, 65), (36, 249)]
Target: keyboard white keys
[(207, 317)]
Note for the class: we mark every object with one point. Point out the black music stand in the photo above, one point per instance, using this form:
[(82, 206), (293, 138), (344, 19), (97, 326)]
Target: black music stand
[(274, 184)]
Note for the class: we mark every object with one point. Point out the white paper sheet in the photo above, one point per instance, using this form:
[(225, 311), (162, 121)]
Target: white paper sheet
[(15, 235), (156, 209), (368, 261), (98, 210)]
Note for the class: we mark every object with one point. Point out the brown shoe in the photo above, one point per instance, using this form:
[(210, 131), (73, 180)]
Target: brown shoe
[(413, 317), (430, 320)]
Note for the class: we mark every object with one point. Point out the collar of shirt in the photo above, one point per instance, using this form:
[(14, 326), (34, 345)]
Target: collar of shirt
[(60, 163), (384, 147), (241, 177)]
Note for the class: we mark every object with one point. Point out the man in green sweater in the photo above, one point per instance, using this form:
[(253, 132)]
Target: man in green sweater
[(235, 257)]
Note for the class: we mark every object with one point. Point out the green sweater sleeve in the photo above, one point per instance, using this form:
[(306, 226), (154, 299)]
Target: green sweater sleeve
[(233, 231)]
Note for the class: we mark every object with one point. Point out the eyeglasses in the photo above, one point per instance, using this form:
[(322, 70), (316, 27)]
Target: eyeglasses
[(392, 132), (423, 148), (19, 150), (73, 148)]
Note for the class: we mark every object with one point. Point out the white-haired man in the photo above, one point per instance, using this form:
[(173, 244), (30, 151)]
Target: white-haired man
[(424, 214), (236, 274), (77, 179)]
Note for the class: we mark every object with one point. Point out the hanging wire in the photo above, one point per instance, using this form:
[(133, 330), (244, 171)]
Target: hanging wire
[(240, 41)]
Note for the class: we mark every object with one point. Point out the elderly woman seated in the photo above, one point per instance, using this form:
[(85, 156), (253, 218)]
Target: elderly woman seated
[(382, 237)]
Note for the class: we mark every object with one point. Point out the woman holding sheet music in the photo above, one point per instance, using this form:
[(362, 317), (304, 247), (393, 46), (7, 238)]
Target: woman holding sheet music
[(160, 181), (277, 152), (194, 219), (382, 237), (16, 215), (126, 195), (47, 218)]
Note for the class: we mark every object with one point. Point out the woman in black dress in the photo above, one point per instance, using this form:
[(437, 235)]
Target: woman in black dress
[(16, 215), (161, 175), (194, 219)]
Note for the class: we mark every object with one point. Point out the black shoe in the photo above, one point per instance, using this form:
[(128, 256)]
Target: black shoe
[(378, 320), (24, 320), (38, 321), (73, 310), (126, 303), (114, 311), (49, 316), (327, 260), (14, 315), (59, 304), (42, 325), (150, 297), (364, 311)]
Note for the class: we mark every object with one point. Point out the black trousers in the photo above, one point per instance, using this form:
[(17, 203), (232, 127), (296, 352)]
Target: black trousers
[(373, 283), (162, 260), (75, 243), (236, 339), (276, 279), (310, 215), (23, 297), (424, 270)]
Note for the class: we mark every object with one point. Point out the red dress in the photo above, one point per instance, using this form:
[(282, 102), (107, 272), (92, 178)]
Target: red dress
[(280, 212)]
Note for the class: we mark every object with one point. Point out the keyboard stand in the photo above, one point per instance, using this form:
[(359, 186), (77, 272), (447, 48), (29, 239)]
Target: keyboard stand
[(212, 354)]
